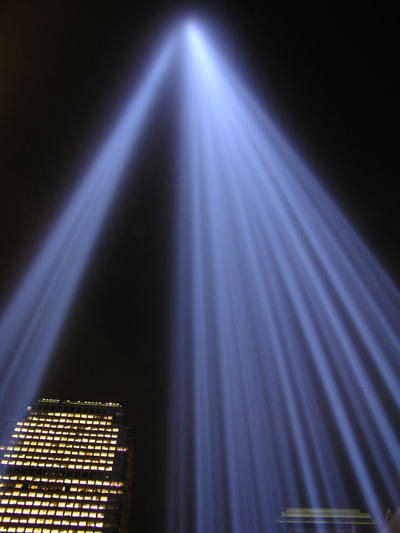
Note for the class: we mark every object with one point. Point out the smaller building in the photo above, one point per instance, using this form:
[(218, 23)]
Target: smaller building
[(307, 520)]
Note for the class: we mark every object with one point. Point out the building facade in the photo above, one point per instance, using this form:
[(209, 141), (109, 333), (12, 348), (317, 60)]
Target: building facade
[(65, 468)]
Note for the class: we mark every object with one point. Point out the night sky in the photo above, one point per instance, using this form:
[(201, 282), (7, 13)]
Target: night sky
[(327, 72)]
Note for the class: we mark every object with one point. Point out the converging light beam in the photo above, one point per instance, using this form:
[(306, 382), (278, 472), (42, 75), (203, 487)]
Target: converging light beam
[(32, 322), (285, 376), (286, 344)]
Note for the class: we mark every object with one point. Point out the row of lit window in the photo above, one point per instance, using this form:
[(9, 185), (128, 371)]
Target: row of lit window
[(80, 496), (54, 418), (64, 481), (36, 440), (23, 529), (92, 496), (46, 414), (54, 444), (47, 447), (54, 451), (95, 421), (49, 512), (48, 522), (70, 463), (61, 494), (71, 466), (50, 451), (73, 500), (51, 417), (67, 424), (78, 442), (68, 429), (64, 436), (97, 495), (29, 497), (22, 459), (52, 460), (53, 503)]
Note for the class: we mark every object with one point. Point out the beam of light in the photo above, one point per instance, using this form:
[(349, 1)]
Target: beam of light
[(286, 372), (32, 321)]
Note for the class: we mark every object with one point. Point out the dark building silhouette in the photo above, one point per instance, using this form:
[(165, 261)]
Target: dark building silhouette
[(65, 468), (305, 520)]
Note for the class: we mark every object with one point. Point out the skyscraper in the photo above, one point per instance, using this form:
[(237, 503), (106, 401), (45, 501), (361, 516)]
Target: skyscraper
[(65, 468)]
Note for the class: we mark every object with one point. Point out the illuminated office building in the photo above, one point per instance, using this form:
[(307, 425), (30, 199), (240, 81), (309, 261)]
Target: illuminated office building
[(65, 468), (305, 520)]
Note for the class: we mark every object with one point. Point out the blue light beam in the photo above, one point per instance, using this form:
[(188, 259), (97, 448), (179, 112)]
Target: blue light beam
[(286, 378), (286, 370), (32, 322)]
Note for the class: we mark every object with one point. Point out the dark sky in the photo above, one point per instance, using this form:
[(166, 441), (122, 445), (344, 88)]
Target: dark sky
[(327, 71)]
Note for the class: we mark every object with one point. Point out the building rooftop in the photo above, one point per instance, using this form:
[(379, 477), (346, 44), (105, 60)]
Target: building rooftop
[(320, 517), (77, 402)]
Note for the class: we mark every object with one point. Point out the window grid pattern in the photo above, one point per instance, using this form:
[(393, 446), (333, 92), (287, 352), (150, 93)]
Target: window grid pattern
[(65, 469)]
